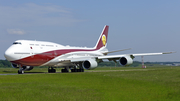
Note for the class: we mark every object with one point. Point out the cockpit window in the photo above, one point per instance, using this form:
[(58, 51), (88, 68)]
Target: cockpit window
[(17, 43)]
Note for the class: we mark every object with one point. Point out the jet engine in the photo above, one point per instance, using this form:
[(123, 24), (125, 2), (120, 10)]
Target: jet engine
[(89, 64), (125, 61), (26, 68)]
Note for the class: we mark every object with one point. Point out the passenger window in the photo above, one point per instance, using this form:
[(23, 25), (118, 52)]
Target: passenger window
[(17, 43)]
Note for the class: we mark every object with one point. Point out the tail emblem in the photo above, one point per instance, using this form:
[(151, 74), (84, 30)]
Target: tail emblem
[(104, 40)]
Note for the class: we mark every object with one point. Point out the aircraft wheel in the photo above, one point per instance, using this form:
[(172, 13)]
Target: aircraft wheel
[(51, 70), (20, 72), (73, 70), (80, 70), (64, 71)]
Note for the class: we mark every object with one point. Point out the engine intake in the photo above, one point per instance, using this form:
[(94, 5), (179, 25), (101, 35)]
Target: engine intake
[(125, 61), (89, 64)]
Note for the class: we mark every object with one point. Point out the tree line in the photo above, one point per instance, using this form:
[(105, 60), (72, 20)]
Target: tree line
[(7, 64)]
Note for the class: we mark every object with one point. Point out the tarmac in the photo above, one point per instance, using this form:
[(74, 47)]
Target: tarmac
[(80, 72)]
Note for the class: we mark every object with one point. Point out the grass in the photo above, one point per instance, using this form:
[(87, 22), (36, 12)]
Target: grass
[(129, 84)]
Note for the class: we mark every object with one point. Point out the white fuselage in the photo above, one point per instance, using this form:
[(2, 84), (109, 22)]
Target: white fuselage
[(40, 53)]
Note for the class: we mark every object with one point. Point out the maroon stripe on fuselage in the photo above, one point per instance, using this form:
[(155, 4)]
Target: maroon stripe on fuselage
[(39, 59)]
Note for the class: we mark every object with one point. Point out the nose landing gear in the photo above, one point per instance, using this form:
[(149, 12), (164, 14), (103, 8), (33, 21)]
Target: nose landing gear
[(21, 70)]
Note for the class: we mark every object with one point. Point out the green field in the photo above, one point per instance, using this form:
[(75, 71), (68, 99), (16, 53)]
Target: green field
[(101, 84)]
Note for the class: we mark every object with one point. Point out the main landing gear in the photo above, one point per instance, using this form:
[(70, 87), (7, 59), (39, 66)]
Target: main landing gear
[(66, 70), (51, 70), (77, 70)]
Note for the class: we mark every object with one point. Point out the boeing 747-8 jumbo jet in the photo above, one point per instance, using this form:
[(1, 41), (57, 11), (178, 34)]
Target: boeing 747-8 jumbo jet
[(24, 54)]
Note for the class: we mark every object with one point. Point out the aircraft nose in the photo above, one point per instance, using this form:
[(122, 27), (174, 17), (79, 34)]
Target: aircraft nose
[(8, 55)]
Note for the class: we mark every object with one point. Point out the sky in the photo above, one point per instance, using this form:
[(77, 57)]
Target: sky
[(144, 25)]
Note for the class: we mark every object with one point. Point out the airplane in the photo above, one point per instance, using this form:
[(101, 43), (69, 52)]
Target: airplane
[(25, 54)]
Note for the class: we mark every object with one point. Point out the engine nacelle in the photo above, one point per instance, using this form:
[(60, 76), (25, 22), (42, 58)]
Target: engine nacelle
[(89, 64), (125, 61)]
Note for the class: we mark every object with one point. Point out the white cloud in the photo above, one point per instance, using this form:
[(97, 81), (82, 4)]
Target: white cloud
[(31, 14), (16, 31)]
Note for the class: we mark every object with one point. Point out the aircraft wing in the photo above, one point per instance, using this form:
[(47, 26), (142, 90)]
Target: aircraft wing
[(81, 59), (127, 59), (109, 57), (144, 54), (90, 62), (131, 55)]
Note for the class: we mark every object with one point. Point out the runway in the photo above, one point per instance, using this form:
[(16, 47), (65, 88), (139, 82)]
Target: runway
[(119, 70), (80, 72), (9, 74)]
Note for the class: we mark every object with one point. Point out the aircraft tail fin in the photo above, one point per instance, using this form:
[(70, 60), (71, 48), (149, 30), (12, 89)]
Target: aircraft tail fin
[(102, 41)]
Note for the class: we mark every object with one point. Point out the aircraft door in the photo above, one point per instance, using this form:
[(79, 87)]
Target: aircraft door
[(31, 52), (55, 54)]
